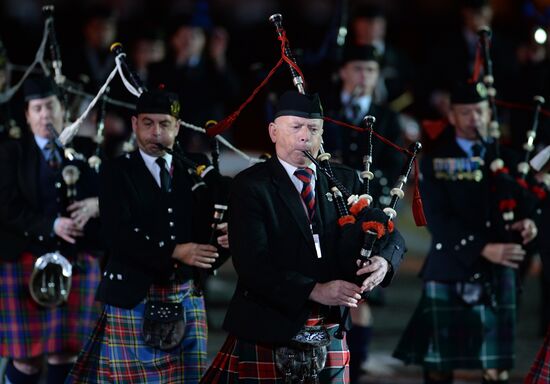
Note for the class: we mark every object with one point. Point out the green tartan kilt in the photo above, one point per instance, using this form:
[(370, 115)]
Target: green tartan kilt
[(445, 334)]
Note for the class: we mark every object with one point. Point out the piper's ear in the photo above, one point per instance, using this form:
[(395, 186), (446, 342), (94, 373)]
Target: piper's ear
[(273, 132), (451, 118), (134, 123)]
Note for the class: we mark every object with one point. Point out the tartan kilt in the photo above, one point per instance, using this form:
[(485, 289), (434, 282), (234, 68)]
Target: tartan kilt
[(242, 362), (540, 370), (116, 352), (28, 329), (444, 334)]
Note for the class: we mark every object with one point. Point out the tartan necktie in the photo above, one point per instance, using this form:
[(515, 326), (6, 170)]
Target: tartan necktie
[(52, 154), (164, 174), (305, 175)]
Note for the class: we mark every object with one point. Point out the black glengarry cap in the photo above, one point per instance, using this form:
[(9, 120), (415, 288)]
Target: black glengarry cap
[(293, 103), (468, 93), (38, 87), (353, 52), (159, 101)]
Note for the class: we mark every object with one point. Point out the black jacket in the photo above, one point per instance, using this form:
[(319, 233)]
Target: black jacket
[(274, 253), (23, 224), (142, 225), (460, 212)]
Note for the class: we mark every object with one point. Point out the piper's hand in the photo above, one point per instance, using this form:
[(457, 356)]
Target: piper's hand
[(336, 292), (84, 210), (507, 254), (66, 229), (196, 255), (223, 240), (377, 266), (527, 228)]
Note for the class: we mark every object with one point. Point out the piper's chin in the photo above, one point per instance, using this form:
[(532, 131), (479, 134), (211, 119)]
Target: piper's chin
[(45, 133), (301, 159), (154, 149)]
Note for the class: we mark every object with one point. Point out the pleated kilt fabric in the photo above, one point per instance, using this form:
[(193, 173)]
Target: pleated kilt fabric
[(445, 334), (540, 370), (243, 362), (28, 329), (116, 353)]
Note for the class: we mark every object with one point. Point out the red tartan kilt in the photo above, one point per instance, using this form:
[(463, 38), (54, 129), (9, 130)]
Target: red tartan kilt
[(246, 363), (540, 370), (27, 329)]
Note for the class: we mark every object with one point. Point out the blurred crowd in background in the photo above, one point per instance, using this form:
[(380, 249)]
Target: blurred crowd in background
[(214, 53)]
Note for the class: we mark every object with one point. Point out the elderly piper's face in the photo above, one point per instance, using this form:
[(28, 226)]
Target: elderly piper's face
[(469, 119), (292, 135), (41, 112), (155, 128)]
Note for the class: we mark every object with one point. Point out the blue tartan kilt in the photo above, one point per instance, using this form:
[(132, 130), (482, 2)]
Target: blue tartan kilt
[(116, 352), (445, 334), (30, 330)]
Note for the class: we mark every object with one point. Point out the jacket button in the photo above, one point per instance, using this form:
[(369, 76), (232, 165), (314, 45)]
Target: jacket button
[(170, 210)]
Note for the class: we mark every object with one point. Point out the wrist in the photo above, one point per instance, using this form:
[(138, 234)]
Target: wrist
[(313, 294), (55, 224)]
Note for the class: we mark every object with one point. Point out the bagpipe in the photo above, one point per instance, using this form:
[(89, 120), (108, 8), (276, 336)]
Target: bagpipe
[(53, 70), (50, 280), (365, 229), (210, 191), (209, 188), (51, 277), (306, 353), (514, 194)]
